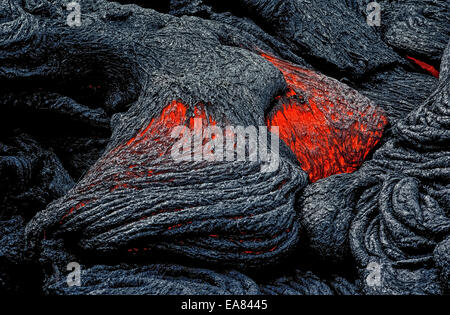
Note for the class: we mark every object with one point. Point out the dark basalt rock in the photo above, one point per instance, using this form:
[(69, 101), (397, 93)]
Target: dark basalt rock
[(18, 274), (131, 278), (31, 176), (11, 253), (307, 283), (156, 280), (398, 92), (82, 153), (99, 102), (304, 28), (132, 197), (40, 103), (326, 217), (442, 261), (396, 204), (417, 28), (54, 121)]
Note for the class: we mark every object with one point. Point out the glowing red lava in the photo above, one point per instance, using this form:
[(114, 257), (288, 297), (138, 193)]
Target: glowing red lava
[(432, 70), (131, 164), (329, 126)]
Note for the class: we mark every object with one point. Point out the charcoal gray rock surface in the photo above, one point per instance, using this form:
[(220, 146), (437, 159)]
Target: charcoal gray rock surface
[(132, 279), (156, 280), (18, 274), (31, 176), (95, 104), (397, 91), (442, 261), (397, 205), (307, 283), (11, 252), (304, 28), (417, 28)]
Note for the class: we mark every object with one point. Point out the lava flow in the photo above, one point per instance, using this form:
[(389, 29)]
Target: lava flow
[(133, 163), (329, 126), (429, 68)]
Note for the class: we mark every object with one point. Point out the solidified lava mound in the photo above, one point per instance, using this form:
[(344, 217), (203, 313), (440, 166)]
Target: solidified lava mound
[(330, 127), (350, 195)]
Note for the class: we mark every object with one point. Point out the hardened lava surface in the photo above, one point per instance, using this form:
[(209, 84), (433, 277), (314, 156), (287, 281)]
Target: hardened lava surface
[(392, 212), (330, 127), (358, 200)]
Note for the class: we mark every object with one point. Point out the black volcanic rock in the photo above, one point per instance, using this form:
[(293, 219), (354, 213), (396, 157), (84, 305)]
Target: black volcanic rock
[(135, 196), (417, 28), (87, 176), (18, 274), (31, 176), (307, 283), (397, 91), (396, 205), (156, 280), (348, 48), (11, 253)]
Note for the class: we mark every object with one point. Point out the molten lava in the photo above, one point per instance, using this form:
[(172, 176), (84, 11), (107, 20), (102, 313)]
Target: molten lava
[(329, 127), (429, 68), (148, 148)]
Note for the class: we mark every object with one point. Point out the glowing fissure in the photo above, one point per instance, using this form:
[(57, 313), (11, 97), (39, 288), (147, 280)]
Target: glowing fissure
[(327, 133)]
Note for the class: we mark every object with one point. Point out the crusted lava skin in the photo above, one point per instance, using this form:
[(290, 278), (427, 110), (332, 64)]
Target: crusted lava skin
[(136, 197), (108, 195), (394, 210), (330, 127)]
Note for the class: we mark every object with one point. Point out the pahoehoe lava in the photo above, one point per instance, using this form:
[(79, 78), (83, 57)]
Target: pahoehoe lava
[(86, 120)]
